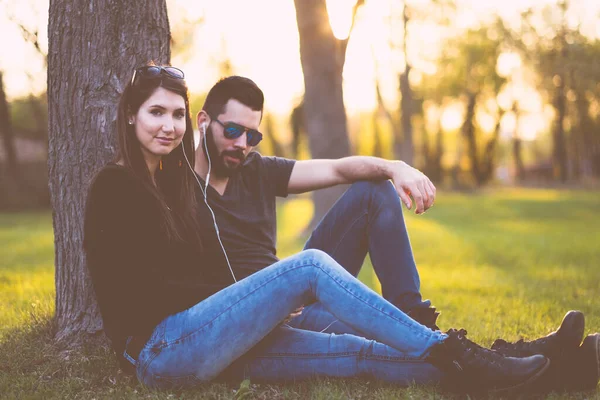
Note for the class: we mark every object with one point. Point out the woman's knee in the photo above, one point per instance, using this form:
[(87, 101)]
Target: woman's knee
[(319, 257)]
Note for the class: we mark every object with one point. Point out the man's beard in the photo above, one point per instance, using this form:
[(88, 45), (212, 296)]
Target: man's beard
[(217, 161)]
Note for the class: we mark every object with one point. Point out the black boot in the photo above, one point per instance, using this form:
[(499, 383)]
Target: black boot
[(425, 316), (566, 339), (580, 370), (473, 369)]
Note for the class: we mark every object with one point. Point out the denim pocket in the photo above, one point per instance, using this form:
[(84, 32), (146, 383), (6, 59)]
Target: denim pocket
[(174, 382)]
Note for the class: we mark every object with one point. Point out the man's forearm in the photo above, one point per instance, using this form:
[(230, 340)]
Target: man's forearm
[(357, 168)]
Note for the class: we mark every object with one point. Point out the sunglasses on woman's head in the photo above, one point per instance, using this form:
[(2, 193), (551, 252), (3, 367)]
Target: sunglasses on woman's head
[(154, 71), (231, 130)]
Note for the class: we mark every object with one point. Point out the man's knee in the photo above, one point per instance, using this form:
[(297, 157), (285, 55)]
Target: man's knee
[(377, 191)]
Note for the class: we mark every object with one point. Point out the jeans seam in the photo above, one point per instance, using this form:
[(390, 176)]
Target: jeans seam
[(337, 245), (361, 300), (146, 364), (340, 354)]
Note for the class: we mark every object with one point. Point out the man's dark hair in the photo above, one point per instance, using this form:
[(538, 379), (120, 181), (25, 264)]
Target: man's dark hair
[(235, 87)]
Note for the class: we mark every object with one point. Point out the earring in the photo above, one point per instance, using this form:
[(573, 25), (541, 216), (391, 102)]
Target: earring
[(130, 122)]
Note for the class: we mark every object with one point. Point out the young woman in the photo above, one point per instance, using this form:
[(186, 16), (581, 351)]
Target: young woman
[(175, 315)]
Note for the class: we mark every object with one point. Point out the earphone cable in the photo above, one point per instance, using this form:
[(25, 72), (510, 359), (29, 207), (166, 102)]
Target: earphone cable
[(204, 193)]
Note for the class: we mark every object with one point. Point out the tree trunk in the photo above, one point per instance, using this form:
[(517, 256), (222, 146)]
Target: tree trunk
[(489, 154), (584, 139), (405, 151), (41, 123), (322, 57), (93, 48), (406, 148), (438, 170), (377, 142), (559, 150), (468, 130), (272, 137), (8, 137), (12, 185)]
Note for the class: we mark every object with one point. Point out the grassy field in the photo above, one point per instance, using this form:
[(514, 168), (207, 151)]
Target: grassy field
[(507, 263)]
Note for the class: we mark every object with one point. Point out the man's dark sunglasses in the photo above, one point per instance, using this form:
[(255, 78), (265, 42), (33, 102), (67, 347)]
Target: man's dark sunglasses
[(153, 71), (233, 131)]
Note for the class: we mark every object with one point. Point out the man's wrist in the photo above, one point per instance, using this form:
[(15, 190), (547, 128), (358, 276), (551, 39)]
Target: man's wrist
[(391, 168)]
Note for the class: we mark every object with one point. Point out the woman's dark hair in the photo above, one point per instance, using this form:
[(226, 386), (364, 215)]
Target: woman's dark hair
[(235, 87), (174, 189)]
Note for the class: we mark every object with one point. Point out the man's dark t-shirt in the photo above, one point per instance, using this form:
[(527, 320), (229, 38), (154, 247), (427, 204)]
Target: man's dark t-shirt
[(246, 214)]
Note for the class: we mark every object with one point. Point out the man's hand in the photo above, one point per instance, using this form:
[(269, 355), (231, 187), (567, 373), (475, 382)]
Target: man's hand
[(410, 182), (293, 315)]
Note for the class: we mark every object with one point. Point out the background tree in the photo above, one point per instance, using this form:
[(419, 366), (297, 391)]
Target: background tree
[(93, 48), (468, 71), (12, 174), (566, 64), (324, 115)]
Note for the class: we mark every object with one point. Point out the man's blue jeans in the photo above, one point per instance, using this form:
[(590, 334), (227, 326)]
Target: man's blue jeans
[(367, 218), (239, 329)]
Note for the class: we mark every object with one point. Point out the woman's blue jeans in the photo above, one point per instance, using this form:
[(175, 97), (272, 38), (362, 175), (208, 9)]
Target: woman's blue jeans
[(367, 218), (238, 332)]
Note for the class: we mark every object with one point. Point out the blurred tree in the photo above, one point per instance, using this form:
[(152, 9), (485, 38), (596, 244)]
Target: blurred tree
[(12, 185), (271, 137), (29, 116), (467, 69), (567, 66), (37, 108), (93, 48), (323, 57), (402, 127), (297, 125), (517, 146), (412, 98)]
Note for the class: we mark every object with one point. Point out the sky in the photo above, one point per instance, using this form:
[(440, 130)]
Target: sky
[(260, 39)]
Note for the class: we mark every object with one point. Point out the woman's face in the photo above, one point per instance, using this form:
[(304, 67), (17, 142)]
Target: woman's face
[(160, 124)]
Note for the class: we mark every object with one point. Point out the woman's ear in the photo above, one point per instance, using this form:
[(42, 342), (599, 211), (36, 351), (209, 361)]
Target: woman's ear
[(130, 118)]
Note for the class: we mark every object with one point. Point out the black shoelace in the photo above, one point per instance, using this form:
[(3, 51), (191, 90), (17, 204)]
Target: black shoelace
[(475, 354)]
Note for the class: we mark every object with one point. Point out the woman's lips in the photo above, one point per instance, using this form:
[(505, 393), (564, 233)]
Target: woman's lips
[(164, 141)]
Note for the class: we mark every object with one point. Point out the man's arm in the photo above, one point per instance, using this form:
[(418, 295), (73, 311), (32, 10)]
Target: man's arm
[(310, 175)]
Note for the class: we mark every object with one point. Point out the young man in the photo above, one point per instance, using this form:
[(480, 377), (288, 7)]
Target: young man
[(240, 186), (367, 218)]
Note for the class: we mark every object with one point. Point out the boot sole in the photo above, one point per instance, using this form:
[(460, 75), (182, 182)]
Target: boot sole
[(521, 387)]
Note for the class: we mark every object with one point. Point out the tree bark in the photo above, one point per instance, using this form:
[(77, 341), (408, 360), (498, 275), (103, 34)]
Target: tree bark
[(489, 153), (559, 149), (12, 185), (93, 48), (468, 130), (8, 136), (405, 149), (322, 57)]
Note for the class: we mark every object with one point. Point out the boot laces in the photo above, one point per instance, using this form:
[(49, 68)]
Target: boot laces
[(476, 354), (523, 348)]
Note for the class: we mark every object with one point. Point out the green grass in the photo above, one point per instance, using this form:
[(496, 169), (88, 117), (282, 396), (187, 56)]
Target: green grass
[(505, 263)]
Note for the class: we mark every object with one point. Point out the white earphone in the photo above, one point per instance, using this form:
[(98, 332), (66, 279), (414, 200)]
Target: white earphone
[(205, 191)]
